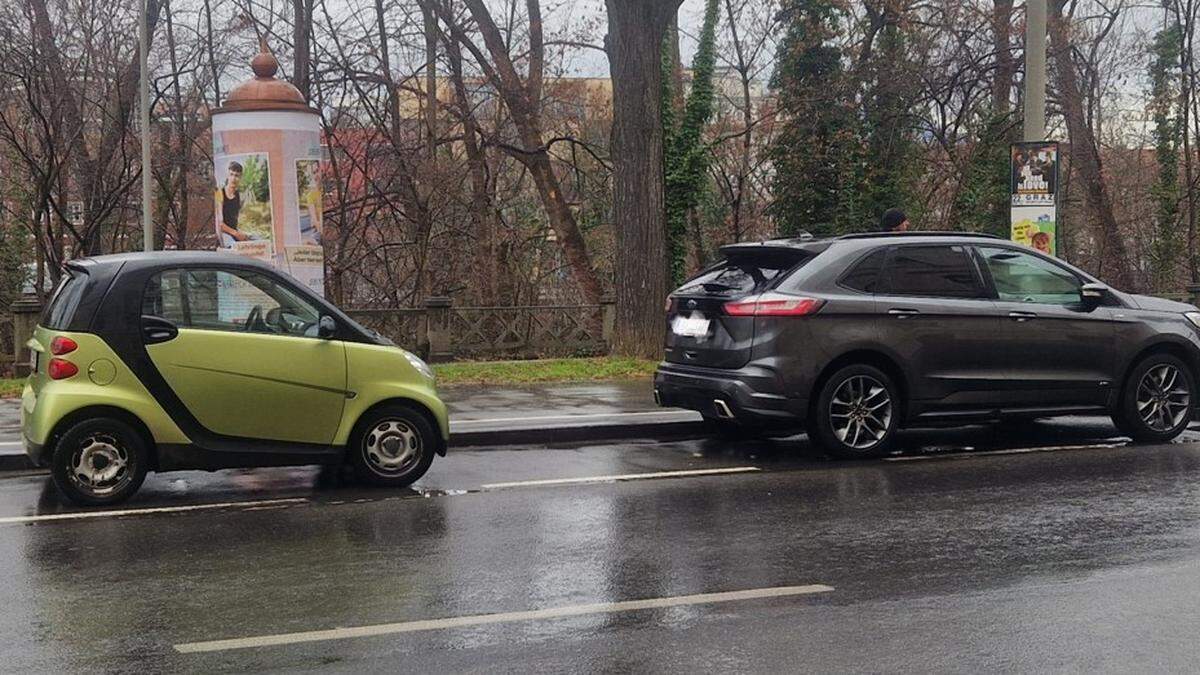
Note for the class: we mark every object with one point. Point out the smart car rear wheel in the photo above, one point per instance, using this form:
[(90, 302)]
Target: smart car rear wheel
[(99, 461), (856, 413), (393, 446), (1156, 404)]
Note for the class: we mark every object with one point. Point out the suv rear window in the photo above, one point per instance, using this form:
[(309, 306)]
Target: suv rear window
[(65, 301), (745, 273)]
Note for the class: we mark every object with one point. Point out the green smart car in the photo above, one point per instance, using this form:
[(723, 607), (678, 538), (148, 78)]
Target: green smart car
[(196, 360)]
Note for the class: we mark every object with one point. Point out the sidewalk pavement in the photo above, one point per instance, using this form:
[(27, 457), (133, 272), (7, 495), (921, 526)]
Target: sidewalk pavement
[(501, 416)]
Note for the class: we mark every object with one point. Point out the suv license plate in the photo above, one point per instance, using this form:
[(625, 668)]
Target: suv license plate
[(690, 326)]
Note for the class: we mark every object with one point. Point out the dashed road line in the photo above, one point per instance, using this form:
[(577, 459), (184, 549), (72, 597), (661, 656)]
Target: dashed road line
[(503, 617), (620, 477), (82, 515)]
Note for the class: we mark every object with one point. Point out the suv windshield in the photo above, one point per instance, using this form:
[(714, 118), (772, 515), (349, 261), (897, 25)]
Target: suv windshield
[(65, 300), (744, 273)]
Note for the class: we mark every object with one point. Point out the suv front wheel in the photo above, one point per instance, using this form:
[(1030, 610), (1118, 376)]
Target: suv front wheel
[(1156, 404), (856, 413)]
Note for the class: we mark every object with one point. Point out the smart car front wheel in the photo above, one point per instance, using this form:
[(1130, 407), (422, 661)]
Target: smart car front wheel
[(392, 446)]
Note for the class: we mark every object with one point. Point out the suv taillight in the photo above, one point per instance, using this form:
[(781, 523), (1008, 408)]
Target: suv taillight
[(61, 369), (772, 304)]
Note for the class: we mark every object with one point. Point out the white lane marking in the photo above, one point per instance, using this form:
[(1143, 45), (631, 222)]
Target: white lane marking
[(80, 515), (11, 444), (1011, 451), (621, 477), (504, 617)]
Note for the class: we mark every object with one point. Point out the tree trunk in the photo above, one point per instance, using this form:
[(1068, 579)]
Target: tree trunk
[(634, 44), (1085, 152), (303, 10)]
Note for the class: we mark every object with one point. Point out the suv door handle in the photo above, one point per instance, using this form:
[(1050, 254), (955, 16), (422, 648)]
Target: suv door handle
[(1022, 316), (902, 313)]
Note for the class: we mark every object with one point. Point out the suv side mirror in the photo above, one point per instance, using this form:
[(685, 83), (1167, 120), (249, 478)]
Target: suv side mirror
[(326, 327), (1093, 295)]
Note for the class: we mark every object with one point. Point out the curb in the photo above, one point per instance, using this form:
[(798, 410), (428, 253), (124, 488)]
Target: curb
[(477, 435)]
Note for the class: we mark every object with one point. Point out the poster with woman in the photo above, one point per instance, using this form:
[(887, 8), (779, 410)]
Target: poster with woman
[(308, 197), (242, 205)]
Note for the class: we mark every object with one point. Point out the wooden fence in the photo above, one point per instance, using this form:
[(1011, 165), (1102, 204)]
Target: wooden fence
[(441, 332)]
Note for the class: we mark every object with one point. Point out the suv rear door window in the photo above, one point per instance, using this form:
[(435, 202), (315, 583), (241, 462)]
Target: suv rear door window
[(65, 301), (933, 271), (743, 274), (864, 275)]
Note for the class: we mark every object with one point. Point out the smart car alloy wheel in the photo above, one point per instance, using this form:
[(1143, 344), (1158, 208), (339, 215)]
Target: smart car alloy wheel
[(100, 465)]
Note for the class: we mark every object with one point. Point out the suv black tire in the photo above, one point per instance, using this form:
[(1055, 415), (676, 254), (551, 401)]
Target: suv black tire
[(99, 461), (392, 435), (860, 386), (1142, 380)]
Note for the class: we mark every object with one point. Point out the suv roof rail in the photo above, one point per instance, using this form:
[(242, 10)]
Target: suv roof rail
[(917, 233)]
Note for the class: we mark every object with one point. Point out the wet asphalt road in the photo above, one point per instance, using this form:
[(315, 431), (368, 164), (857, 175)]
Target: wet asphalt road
[(942, 559)]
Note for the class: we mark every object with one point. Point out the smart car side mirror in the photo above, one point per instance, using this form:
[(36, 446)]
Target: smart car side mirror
[(1093, 295), (326, 327)]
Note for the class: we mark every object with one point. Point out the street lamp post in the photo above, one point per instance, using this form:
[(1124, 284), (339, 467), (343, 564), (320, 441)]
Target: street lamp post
[(144, 94), (1035, 70)]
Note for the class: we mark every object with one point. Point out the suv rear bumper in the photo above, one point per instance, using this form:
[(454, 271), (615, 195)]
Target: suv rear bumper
[(742, 391)]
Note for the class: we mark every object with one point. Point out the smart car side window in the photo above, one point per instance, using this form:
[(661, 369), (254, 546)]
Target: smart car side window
[(229, 300), (1023, 277)]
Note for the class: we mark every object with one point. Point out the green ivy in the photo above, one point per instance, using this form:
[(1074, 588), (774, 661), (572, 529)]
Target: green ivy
[(686, 157)]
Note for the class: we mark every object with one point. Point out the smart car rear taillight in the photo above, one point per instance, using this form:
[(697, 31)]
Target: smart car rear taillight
[(771, 304), (62, 345), (61, 369)]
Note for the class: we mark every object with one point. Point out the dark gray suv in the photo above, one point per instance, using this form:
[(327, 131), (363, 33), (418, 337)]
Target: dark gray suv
[(857, 336)]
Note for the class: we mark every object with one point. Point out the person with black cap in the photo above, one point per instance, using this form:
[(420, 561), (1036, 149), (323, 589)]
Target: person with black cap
[(893, 220)]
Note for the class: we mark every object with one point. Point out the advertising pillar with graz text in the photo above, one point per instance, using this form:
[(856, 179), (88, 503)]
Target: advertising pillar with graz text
[(1034, 183)]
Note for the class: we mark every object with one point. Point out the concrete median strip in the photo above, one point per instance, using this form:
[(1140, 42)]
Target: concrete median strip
[(504, 617)]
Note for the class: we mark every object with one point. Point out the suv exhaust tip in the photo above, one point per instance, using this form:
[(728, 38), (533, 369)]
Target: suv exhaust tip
[(723, 410)]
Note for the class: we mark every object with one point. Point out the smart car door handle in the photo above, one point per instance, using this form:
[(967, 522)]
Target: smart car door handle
[(902, 313), (157, 329), (1022, 316)]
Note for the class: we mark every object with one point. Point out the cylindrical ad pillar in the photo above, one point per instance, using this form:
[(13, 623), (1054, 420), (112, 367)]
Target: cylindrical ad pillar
[(267, 168)]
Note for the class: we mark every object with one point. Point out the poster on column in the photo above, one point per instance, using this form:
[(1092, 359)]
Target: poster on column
[(306, 260), (245, 224), (1034, 189)]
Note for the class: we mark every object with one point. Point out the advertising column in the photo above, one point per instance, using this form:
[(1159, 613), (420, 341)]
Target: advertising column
[(267, 166), (1034, 190)]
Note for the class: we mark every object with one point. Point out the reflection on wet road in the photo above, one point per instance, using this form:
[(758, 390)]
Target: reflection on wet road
[(1079, 559)]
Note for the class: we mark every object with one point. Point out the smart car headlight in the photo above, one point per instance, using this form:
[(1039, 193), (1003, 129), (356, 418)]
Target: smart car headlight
[(1193, 317), (422, 367)]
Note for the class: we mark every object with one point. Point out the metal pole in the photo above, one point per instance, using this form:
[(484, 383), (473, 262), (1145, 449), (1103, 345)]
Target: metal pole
[(1035, 70), (144, 93)]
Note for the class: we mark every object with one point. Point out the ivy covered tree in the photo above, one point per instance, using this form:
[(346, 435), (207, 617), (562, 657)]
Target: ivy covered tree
[(815, 151), (888, 168), (1164, 98), (686, 156)]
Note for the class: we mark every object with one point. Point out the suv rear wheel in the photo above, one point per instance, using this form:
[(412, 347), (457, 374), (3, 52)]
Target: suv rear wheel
[(99, 461), (856, 413), (1156, 403)]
